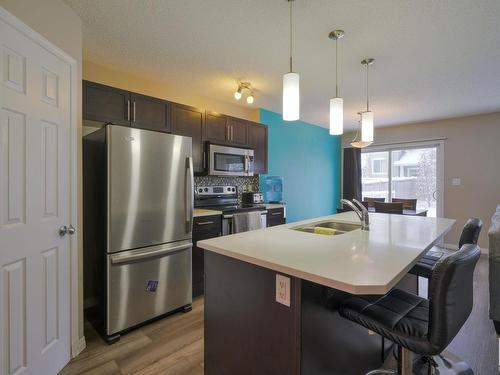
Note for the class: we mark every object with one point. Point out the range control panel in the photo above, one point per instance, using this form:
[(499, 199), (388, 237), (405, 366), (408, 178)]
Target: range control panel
[(215, 190)]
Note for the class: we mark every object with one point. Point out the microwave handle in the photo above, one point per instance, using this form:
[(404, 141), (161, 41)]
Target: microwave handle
[(246, 163)]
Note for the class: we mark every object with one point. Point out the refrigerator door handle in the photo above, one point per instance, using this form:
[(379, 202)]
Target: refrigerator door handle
[(189, 194), (154, 251)]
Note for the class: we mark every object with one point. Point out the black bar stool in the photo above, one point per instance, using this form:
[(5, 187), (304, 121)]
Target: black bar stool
[(426, 264), (418, 325)]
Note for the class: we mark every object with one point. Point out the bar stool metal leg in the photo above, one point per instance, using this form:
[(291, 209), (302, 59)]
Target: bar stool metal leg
[(405, 363)]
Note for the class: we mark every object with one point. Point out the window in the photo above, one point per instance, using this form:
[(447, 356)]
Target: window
[(398, 171), (378, 166)]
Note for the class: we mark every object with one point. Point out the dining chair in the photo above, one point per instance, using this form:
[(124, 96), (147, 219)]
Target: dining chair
[(389, 208), (371, 201), (408, 204)]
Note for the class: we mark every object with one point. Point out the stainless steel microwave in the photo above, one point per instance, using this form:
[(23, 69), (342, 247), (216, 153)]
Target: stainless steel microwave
[(229, 161)]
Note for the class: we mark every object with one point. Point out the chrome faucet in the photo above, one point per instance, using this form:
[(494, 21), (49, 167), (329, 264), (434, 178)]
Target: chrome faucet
[(360, 210)]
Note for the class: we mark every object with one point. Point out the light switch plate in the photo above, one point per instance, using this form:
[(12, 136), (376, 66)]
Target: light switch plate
[(283, 290), (455, 181)]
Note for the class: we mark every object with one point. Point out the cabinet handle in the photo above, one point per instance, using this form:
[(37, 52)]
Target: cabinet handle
[(128, 110), (134, 110), (232, 132), (205, 222), (275, 213)]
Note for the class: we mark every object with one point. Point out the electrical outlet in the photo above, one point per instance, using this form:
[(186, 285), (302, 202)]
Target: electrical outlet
[(283, 290), (456, 181)]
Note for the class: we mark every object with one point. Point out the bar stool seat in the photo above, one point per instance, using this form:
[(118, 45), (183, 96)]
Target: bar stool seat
[(427, 263), (398, 316)]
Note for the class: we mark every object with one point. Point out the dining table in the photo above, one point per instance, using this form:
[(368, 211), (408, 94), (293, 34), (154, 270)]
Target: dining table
[(416, 212)]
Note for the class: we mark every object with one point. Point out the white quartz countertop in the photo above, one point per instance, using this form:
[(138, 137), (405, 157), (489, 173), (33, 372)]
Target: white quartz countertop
[(199, 212), (357, 262)]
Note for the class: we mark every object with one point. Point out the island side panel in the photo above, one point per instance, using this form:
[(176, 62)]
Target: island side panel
[(246, 331)]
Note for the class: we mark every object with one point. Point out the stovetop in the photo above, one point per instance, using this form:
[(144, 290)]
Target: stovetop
[(222, 198)]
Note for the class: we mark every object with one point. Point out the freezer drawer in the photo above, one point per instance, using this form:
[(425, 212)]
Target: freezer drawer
[(146, 283)]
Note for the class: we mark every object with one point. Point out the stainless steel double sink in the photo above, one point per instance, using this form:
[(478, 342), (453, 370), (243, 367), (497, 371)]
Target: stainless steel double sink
[(327, 228)]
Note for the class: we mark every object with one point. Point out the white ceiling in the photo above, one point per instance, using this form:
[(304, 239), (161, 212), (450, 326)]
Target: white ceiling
[(434, 58)]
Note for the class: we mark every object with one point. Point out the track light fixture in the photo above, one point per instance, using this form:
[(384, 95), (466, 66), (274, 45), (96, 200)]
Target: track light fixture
[(239, 92)]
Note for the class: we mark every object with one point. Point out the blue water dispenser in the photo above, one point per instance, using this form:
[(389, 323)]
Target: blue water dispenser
[(273, 191)]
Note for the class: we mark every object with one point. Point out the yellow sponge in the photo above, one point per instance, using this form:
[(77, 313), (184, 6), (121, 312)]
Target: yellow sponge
[(322, 230)]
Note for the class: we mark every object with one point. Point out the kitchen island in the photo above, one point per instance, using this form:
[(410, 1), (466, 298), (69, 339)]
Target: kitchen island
[(247, 331)]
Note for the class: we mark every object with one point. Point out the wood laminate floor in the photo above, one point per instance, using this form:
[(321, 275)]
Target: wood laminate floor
[(174, 345)]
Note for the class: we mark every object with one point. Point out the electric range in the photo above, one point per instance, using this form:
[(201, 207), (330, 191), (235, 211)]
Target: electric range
[(225, 199)]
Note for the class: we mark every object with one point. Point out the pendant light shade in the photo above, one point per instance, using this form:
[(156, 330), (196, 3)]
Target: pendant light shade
[(336, 116), (291, 96), (291, 83), (367, 126), (337, 103), (367, 123)]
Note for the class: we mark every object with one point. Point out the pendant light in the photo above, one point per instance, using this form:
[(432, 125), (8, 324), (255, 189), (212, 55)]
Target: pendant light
[(291, 84), (367, 116), (337, 103), (357, 142)]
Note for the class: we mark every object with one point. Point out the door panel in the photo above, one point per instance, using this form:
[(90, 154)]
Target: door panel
[(188, 121), (159, 284), (12, 172), (238, 131), (150, 113), (106, 104), (147, 187), (216, 128), (34, 203), (257, 140), (13, 310)]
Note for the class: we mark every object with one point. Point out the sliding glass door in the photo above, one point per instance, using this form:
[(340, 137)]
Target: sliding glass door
[(405, 171)]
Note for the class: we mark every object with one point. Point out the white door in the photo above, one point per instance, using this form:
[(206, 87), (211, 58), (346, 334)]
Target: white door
[(34, 204)]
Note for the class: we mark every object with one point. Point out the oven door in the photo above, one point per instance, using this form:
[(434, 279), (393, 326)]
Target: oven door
[(230, 161)]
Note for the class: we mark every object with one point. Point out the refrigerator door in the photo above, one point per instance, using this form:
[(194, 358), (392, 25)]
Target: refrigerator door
[(146, 283), (150, 188)]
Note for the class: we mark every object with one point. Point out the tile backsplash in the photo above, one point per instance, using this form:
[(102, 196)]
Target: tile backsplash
[(243, 183)]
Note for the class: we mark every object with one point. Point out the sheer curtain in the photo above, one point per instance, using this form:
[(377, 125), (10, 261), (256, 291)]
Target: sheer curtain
[(352, 173)]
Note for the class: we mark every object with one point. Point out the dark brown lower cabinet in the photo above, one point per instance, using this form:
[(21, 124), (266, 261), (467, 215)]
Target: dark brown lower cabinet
[(275, 216), (247, 332), (204, 227)]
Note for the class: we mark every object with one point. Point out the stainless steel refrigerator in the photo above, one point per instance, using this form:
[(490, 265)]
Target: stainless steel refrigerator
[(138, 216)]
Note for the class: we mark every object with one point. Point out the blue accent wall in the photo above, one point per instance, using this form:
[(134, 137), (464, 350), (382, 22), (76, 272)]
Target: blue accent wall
[(309, 160)]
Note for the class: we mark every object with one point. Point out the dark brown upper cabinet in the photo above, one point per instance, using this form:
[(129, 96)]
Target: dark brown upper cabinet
[(188, 121), (216, 129), (257, 140), (105, 104), (108, 104), (149, 113), (225, 129), (237, 131)]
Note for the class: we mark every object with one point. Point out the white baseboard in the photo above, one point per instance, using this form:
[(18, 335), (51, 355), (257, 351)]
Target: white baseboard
[(455, 247), (78, 346)]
